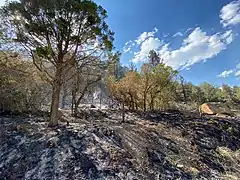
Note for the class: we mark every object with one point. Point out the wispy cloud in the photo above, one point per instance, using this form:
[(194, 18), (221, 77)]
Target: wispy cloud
[(189, 29), (238, 66), (235, 71), (226, 74), (126, 49), (178, 34), (165, 35), (230, 14), (237, 74), (128, 46)]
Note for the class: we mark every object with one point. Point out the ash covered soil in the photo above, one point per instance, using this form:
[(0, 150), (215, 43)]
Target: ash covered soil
[(166, 145)]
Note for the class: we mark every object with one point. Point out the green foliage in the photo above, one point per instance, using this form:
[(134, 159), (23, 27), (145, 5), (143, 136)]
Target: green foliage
[(236, 93), (227, 92), (206, 92), (209, 91)]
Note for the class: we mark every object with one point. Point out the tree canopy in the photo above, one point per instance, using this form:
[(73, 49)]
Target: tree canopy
[(58, 35)]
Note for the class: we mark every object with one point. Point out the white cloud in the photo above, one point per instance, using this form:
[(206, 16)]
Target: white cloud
[(238, 66), (227, 73), (128, 46), (234, 71), (189, 29), (230, 14), (126, 49), (164, 49), (237, 74), (197, 47), (165, 35), (127, 43), (149, 44), (178, 34), (141, 39), (228, 35), (145, 35)]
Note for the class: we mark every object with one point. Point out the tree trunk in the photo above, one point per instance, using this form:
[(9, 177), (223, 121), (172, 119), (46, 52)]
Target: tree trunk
[(55, 98), (64, 96), (2, 128), (136, 106), (183, 90), (74, 95), (144, 101), (132, 102), (73, 102), (55, 104), (78, 101), (152, 103), (76, 108), (75, 105), (101, 94), (123, 112)]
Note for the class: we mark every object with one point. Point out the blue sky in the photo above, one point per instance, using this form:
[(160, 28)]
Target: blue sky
[(199, 38)]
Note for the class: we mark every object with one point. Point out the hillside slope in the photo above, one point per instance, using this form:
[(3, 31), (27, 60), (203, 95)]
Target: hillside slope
[(168, 145)]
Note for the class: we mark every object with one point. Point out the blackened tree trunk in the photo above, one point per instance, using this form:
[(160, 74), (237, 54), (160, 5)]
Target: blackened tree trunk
[(73, 102), (77, 102), (144, 101), (183, 89), (101, 94), (123, 112), (131, 102), (152, 102), (136, 106), (64, 96)]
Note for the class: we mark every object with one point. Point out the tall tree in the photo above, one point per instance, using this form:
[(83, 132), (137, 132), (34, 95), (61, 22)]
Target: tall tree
[(236, 93), (154, 58), (227, 92), (54, 32), (114, 64), (163, 80), (197, 95), (146, 82), (183, 86), (209, 91)]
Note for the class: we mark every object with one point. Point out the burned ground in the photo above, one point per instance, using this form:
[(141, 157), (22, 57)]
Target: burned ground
[(166, 145)]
